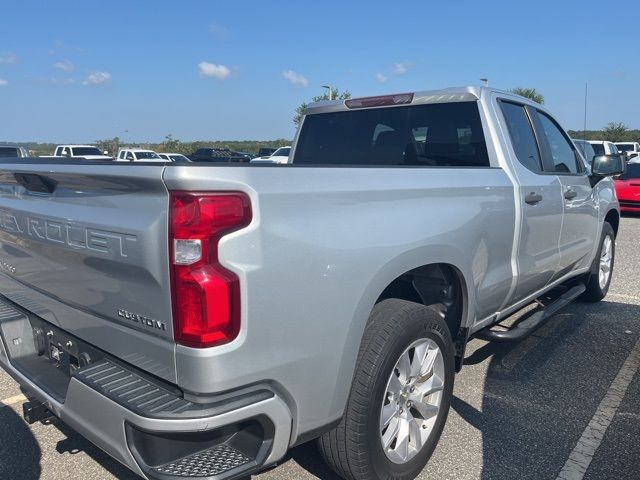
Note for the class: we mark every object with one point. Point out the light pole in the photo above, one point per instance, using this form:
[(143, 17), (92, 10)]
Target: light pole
[(330, 91), (485, 81)]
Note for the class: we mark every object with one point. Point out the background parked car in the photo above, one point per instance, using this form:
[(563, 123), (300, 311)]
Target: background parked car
[(281, 155), (246, 156), (174, 157), (628, 189), (217, 155), (13, 151), (630, 149), (602, 147), (138, 155)]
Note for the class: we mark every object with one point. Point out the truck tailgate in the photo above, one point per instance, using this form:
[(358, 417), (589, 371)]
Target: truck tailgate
[(85, 247)]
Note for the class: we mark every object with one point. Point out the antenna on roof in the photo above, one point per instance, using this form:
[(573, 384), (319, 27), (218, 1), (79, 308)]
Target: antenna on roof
[(584, 126), (485, 81)]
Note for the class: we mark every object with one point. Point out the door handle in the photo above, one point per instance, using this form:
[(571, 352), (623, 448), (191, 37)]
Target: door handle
[(570, 194), (533, 198)]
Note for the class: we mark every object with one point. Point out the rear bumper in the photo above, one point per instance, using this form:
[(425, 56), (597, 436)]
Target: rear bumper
[(250, 428)]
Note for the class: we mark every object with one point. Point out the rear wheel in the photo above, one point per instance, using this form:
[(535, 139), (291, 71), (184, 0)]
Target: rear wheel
[(599, 277), (399, 398)]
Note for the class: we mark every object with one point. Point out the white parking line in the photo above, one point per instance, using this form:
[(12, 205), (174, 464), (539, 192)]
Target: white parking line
[(581, 456), (12, 400)]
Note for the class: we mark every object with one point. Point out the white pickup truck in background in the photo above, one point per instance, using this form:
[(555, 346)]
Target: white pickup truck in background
[(138, 155), (630, 149), (89, 152)]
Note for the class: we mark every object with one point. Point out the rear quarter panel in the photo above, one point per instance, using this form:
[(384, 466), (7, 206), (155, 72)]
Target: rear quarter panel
[(322, 246)]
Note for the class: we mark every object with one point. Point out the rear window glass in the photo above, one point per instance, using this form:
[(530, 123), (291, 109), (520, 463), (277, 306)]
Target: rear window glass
[(147, 155), (8, 152), (624, 148), (598, 148), (438, 135), (79, 151)]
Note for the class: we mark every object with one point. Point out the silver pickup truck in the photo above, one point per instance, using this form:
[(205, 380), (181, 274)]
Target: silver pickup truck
[(199, 320)]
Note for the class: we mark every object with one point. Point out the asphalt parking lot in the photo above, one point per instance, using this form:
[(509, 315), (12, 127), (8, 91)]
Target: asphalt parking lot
[(561, 404)]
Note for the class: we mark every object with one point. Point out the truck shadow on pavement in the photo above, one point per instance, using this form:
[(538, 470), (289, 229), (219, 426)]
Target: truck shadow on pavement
[(539, 394), (75, 443), (19, 450)]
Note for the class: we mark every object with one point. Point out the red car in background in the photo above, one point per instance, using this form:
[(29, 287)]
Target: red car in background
[(628, 189)]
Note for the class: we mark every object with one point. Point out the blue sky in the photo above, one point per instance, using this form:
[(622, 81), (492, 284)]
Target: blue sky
[(82, 71)]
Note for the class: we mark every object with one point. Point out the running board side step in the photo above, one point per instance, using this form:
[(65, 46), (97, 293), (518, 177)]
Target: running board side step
[(527, 326)]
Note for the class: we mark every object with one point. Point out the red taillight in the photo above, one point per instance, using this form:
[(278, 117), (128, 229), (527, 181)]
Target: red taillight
[(205, 296), (381, 101)]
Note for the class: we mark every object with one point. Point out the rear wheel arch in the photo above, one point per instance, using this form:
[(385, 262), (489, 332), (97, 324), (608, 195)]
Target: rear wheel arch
[(613, 218), (439, 285)]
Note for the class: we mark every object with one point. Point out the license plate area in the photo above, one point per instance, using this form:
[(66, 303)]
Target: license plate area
[(45, 354), (61, 350)]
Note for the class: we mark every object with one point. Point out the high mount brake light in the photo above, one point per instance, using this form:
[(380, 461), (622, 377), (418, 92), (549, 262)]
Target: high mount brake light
[(381, 101), (205, 295)]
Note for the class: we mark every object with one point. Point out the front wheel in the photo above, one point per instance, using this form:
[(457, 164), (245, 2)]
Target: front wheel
[(400, 396), (598, 279)]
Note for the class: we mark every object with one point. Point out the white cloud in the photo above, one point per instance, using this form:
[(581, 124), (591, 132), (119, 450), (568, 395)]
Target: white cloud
[(401, 68), (61, 81), (97, 78), (8, 59), (220, 71), (295, 79), (3, 83), (64, 65), (381, 77), (218, 30)]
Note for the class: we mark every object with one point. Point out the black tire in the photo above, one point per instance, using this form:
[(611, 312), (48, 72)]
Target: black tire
[(353, 449), (595, 293)]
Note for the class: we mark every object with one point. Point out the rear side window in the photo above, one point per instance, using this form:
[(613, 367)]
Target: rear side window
[(6, 152), (438, 135), (598, 148), (562, 152), (522, 137)]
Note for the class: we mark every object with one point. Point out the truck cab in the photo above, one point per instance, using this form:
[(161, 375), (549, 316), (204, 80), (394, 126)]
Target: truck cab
[(10, 150), (629, 149), (138, 155), (88, 152)]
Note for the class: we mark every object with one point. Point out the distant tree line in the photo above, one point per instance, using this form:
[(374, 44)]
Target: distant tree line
[(613, 132)]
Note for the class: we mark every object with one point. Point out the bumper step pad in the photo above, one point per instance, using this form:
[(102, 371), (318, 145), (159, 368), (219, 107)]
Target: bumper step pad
[(154, 399), (208, 463), (133, 391)]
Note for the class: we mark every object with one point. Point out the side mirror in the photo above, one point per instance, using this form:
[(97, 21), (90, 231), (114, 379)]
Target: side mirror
[(607, 165), (105, 152)]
